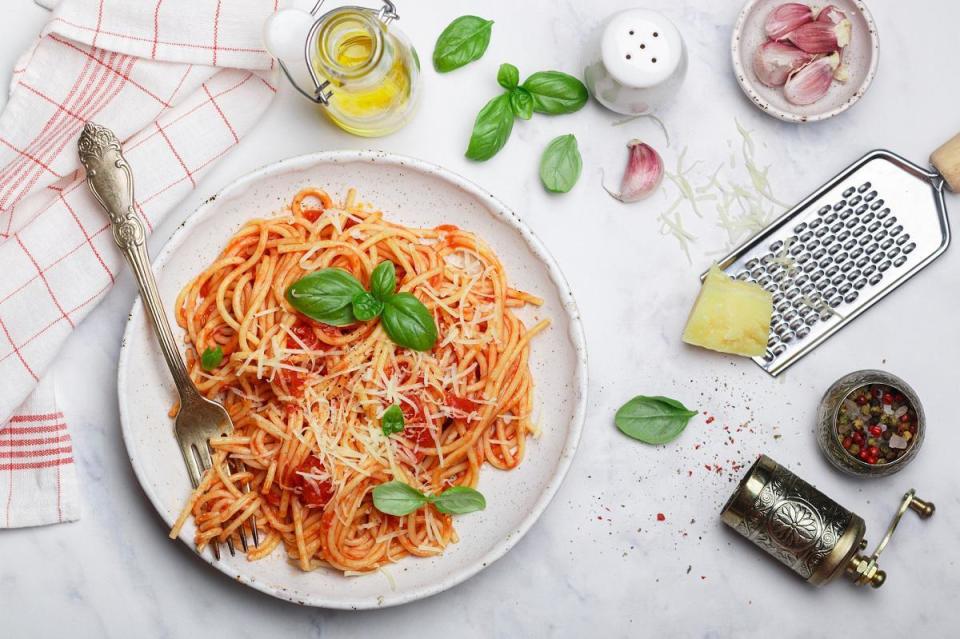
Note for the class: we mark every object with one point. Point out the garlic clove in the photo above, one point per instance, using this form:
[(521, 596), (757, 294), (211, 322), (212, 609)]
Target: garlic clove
[(643, 174), (821, 37), (812, 81), (775, 61), (842, 74), (831, 14), (785, 18)]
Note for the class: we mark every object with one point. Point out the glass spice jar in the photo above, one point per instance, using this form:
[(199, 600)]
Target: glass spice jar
[(860, 419)]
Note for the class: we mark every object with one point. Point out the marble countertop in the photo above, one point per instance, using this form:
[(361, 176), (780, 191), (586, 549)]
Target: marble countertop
[(598, 561)]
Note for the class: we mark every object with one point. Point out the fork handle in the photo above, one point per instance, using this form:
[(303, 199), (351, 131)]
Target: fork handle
[(111, 181)]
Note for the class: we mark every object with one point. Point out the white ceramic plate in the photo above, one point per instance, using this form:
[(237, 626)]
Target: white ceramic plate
[(414, 193), (861, 56)]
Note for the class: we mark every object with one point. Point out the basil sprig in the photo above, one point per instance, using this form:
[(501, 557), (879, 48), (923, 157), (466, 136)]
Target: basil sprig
[(463, 41), (211, 358), (550, 92), (398, 498), (334, 296), (392, 420), (653, 420), (561, 164)]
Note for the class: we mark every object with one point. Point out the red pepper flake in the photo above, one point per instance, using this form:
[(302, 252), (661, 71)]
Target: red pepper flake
[(702, 577), (661, 517), (710, 419)]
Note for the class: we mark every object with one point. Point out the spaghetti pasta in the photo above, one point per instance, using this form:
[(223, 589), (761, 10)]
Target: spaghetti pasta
[(306, 398)]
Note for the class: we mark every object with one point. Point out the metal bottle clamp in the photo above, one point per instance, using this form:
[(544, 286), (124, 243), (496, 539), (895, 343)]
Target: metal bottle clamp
[(322, 93), (804, 529)]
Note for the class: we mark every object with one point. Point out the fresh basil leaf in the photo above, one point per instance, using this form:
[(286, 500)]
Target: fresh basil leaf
[(522, 103), (555, 92), (491, 129), (366, 307), (463, 41), (653, 420), (211, 358), (408, 322), (392, 420), (561, 164), (459, 500), (325, 296), (383, 280), (508, 76), (397, 498)]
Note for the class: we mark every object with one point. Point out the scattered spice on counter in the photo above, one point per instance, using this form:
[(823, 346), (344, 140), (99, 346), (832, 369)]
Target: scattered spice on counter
[(876, 424), (661, 517)]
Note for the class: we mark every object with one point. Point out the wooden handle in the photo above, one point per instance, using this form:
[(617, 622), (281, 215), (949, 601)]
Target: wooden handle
[(946, 159)]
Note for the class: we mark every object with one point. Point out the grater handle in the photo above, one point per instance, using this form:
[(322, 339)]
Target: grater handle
[(946, 160)]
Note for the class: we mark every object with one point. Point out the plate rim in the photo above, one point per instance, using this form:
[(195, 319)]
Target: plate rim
[(498, 210)]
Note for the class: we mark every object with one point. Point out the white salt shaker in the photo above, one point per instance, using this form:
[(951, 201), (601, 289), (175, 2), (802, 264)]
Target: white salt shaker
[(636, 61)]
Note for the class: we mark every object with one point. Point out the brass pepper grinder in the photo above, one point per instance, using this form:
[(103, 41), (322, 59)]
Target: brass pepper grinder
[(804, 529)]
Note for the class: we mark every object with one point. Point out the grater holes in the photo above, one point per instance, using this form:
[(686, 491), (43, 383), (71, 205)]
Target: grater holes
[(870, 250), (860, 230), (800, 228), (859, 284), (875, 279), (879, 235), (776, 246), (900, 261), (866, 239), (877, 258), (863, 187), (802, 332), (846, 266), (839, 225), (839, 205), (854, 200), (830, 219), (903, 238), (850, 297), (890, 221), (868, 270), (873, 227), (824, 210), (855, 253), (742, 275), (863, 261), (862, 209), (847, 213), (869, 217), (887, 243), (876, 205), (815, 222), (845, 288), (884, 265), (849, 192), (895, 231), (892, 253), (823, 230), (835, 301), (882, 214), (869, 197), (909, 248)]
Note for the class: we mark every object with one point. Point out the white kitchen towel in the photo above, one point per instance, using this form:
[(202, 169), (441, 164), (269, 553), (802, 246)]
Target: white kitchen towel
[(179, 82)]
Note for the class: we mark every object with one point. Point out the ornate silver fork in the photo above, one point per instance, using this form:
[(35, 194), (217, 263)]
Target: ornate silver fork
[(111, 181)]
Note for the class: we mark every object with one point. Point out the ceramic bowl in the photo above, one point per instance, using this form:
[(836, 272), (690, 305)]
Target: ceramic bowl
[(861, 57)]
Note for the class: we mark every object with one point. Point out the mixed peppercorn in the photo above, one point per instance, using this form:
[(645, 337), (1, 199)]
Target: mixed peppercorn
[(876, 424)]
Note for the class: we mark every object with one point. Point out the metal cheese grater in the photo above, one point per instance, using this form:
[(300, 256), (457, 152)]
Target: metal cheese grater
[(846, 246)]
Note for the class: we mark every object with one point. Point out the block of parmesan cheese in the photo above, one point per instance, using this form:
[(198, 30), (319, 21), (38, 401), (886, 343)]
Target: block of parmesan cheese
[(730, 316)]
